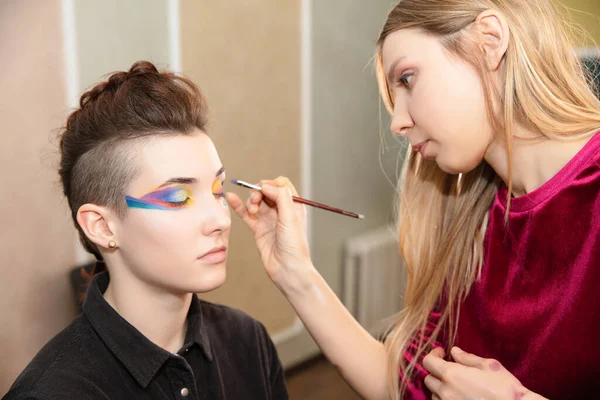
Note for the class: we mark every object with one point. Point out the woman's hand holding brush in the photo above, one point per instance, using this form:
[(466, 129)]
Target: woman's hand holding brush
[(278, 223), (279, 227)]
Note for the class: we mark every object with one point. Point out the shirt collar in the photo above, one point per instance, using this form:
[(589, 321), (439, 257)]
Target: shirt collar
[(136, 352)]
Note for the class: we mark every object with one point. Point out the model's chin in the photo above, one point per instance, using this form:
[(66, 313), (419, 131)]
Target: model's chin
[(208, 279)]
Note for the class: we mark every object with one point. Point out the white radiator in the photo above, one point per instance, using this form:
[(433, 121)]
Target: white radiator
[(373, 278)]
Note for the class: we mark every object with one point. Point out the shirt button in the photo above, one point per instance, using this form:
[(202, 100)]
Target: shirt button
[(185, 392)]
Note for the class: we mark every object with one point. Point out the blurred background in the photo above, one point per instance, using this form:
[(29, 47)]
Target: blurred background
[(292, 91)]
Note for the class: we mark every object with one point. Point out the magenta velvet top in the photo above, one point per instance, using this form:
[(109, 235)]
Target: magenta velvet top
[(536, 308)]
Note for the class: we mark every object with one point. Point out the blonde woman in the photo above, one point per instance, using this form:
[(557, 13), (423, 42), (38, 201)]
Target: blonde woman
[(499, 219)]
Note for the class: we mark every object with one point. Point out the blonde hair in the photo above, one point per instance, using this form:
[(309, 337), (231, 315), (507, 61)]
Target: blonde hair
[(442, 218)]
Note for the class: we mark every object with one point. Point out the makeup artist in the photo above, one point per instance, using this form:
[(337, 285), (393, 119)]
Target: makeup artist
[(499, 220)]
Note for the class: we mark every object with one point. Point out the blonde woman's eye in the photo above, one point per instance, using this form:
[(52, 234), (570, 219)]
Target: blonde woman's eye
[(406, 80)]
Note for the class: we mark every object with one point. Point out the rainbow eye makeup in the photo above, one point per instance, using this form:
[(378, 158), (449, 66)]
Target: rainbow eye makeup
[(217, 187), (172, 197), (217, 190)]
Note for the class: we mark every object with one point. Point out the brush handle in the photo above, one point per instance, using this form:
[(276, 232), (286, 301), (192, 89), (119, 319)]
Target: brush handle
[(324, 207), (303, 201)]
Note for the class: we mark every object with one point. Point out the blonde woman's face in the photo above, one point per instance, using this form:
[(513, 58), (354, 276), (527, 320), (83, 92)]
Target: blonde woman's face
[(439, 102)]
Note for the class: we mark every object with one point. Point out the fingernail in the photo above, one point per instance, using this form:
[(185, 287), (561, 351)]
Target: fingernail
[(457, 350)]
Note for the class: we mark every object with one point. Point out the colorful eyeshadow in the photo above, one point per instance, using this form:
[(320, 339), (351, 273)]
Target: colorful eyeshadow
[(168, 198), (217, 187)]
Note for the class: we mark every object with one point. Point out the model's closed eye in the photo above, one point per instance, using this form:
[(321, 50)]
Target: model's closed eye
[(174, 196)]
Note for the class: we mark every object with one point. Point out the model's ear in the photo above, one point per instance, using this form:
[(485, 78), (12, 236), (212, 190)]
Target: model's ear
[(98, 225)]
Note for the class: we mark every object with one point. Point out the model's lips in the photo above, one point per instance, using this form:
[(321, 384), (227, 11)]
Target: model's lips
[(215, 255)]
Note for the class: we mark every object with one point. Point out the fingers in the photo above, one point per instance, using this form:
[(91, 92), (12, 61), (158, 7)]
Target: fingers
[(275, 192), (464, 358), (433, 384), (279, 191), (434, 362), (261, 209), (240, 209), (256, 197), (438, 352), (281, 181), (254, 201), (283, 197), (236, 204), (471, 360)]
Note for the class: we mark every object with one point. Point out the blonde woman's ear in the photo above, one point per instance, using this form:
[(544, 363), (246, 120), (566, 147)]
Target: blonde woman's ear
[(492, 32)]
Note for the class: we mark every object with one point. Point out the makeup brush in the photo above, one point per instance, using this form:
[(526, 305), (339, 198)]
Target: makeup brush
[(303, 201)]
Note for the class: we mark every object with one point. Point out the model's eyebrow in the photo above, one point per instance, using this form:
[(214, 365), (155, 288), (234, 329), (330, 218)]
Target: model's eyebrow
[(390, 72), (180, 180), (188, 181)]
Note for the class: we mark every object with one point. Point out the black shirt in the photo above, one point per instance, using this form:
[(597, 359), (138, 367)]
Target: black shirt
[(226, 355)]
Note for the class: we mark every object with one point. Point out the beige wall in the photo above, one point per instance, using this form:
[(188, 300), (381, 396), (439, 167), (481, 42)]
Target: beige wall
[(586, 13), (109, 36), (245, 56), (113, 34), (36, 235), (347, 121)]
